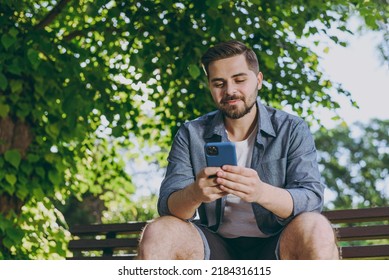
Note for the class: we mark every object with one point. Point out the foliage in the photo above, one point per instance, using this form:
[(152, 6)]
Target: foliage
[(99, 177), (144, 209), (355, 163), (78, 79)]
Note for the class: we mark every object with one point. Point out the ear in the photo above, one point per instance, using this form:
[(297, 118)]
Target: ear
[(259, 79)]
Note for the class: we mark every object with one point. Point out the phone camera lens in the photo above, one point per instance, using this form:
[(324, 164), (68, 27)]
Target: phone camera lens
[(212, 150)]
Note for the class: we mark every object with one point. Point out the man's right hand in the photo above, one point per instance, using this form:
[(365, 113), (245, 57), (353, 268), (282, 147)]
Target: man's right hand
[(205, 189), (183, 203)]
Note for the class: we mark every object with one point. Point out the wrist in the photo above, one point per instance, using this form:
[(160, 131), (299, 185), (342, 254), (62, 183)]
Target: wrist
[(192, 196)]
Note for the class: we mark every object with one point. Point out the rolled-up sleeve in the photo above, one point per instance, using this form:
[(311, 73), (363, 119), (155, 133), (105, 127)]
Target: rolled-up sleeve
[(302, 175), (179, 173)]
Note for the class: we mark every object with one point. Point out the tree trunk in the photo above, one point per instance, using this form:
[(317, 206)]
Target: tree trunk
[(13, 135)]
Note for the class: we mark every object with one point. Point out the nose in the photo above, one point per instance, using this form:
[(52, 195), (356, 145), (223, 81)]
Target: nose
[(230, 88)]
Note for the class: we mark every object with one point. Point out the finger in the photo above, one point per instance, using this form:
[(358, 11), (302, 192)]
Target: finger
[(232, 185), (236, 192), (215, 193), (210, 171), (243, 171), (233, 177), (221, 191)]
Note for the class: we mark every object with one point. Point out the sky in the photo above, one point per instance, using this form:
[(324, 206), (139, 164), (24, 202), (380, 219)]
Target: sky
[(361, 71)]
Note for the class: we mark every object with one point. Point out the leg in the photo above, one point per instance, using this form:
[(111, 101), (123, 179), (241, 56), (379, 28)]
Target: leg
[(169, 238), (309, 236)]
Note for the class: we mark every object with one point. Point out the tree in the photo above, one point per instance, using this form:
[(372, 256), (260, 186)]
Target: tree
[(355, 163), (79, 79)]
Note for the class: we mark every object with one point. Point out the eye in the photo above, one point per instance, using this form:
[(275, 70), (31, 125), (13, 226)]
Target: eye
[(218, 85), (240, 81)]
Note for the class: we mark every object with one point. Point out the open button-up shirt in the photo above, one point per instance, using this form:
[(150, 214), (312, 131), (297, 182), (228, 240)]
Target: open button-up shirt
[(284, 156)]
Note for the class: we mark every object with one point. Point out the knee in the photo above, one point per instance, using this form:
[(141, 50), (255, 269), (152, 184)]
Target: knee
[(168, 237), (160, 226), (309, 236), (155, 236), (315, 226)]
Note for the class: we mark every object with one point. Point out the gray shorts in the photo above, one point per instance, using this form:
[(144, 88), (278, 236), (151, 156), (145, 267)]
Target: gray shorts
[(217, 247)]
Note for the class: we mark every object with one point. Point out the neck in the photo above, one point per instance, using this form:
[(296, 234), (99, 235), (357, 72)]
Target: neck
[(240, 129)]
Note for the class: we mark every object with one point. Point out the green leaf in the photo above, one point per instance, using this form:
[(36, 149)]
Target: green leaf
[(15, 67), (54, 177), (15, 234), (13, 32), (3, 82), (33, 57), (215, 3), (194, 71), (4, 110), (13, 157), (22, 191), (269, 62), (11, 178), (38, 193), (40, 171), (7, 41), (139, 61), (16, 86), (23, 110), (4, 223), (52, 130), (8, 242), (32, 158), (371, 21), (7, 187)]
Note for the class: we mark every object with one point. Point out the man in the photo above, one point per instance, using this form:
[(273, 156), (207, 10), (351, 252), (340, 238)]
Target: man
[(268, 206)]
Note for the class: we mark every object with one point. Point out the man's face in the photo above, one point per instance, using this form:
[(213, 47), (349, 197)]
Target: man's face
[(234, 87)]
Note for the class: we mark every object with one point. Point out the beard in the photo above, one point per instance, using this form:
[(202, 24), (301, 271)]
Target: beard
[(236, 111)]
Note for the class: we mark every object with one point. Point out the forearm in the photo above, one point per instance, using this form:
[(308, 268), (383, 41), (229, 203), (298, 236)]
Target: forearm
[(183, 204), (276, 200)]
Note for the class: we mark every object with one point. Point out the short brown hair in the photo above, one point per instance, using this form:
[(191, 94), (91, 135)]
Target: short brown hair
[(229, 49)]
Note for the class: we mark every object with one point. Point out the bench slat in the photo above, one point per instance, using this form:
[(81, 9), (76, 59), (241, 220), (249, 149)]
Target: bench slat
[(362, 233), (358, 215), (373, 251), (107, 228), (114, 257), (94, 244)]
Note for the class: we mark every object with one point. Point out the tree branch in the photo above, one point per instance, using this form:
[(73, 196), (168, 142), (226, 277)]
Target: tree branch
[(74, 34), (84, 32), (52, 14)]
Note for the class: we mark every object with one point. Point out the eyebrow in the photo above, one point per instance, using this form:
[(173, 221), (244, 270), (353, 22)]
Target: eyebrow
[(233, 76)]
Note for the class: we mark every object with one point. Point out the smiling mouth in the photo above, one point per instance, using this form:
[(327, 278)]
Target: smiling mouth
[(233, 101)]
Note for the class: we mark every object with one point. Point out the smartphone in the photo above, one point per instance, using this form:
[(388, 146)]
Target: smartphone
[(218, 154)]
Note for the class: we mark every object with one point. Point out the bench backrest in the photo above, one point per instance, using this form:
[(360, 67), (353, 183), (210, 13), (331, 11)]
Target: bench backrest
[(362, 233), (105, 241)]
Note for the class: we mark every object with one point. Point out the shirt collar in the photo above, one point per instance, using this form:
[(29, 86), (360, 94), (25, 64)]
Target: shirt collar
[(215, 126), (265, 123)]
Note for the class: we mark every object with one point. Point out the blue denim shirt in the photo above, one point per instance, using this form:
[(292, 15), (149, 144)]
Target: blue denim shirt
[(284, 156)]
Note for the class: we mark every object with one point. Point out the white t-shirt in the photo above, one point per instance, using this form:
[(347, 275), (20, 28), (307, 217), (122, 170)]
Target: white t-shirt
[(239, 219)]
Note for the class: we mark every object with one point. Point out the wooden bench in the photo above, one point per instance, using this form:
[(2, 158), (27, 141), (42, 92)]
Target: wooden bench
[(352, 227), (105, 241), (362, 234)]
